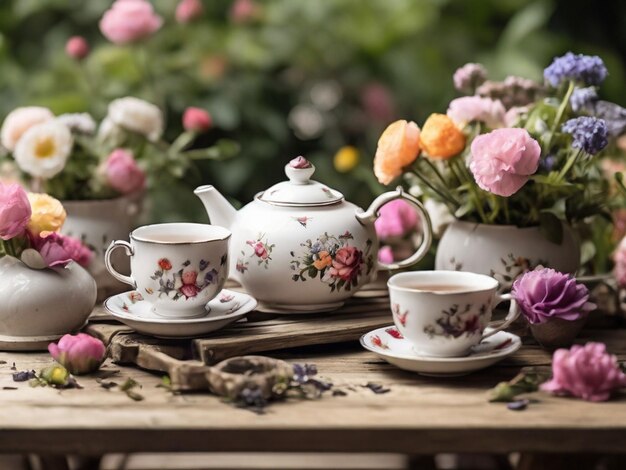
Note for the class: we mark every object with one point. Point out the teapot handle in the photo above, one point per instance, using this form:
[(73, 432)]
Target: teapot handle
[(371, 214)]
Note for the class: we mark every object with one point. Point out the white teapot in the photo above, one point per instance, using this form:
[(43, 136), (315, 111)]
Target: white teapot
[(300, 246)]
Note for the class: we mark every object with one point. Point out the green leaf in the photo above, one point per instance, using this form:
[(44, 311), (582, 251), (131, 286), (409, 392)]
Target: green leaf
[(551, 227)]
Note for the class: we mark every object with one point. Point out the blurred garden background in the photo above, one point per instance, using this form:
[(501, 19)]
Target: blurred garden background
[(291, 77)]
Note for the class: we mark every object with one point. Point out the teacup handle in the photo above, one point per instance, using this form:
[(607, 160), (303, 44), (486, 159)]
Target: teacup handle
[(107, 261), (514, 312), (371, 214)]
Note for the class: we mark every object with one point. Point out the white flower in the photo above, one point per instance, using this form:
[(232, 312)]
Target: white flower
[(138, 116), (440, 216), (110, 133), (43, 149), (19, 121), (81, 123)]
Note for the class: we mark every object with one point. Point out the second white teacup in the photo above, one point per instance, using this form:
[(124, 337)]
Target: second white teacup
[(177, 267), (445, 313)]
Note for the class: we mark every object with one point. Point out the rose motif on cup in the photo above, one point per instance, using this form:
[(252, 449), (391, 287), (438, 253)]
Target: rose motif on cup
[(333, 260), (186, 283), (458, 321), (260, 250)]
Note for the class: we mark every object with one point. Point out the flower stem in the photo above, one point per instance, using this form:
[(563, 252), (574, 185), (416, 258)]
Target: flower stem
[(559, 114), (445, 197), (568, 165)]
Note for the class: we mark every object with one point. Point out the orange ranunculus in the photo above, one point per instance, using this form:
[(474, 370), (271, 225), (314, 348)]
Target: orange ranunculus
[(440, 138), (398, 147), (323, 261)]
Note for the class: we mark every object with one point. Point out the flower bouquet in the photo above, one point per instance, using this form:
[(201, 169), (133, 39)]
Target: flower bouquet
[(516, 154)]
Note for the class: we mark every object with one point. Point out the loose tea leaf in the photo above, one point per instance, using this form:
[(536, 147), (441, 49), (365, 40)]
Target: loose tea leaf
[(524, 382), (24, 375), (518, 405), (376, 388), (9, 388), (128, 386), (339, 393), (3, 362)]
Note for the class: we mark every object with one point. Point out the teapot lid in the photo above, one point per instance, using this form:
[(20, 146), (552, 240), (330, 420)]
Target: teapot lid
[(300, 190)]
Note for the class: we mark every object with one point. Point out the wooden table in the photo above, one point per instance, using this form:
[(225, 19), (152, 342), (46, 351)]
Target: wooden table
[(419, 414)]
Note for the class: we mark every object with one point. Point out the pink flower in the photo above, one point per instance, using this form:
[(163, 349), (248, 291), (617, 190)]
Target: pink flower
[(59, 250), (189, 290), (80, 354), (619, 258), (502, 160), (129, 21), (122, 172), (347, 263), (188, 10), (242, 11), (19, 121), (396, 219), (385, 254), (196, 120), (15, 210), (512, 115), (259, 249), (588, 372), (77, 47), (474, 108), (189, 277)]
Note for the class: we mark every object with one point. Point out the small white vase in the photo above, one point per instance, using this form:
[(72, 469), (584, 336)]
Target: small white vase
[(504, 251), (40, 306), (97, 223)]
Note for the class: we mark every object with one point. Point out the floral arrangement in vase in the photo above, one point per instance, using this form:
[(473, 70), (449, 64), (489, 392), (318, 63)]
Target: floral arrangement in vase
[(512, 153)]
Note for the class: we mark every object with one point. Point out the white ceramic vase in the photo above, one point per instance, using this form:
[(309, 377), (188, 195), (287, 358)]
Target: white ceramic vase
[(97, 223), (40, 306), (504, 251)]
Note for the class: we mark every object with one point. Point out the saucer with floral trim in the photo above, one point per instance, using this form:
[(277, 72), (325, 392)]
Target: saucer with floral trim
[(390, 345), (131, 309)]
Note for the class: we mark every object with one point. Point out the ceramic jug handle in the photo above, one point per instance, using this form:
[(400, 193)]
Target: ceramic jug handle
[(371, 214), (514, 312), (107, 261)]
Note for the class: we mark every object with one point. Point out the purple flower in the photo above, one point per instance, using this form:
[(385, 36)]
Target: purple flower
[(582, 97), (544, 294), (589, 133), (468, 77), (589, 70)]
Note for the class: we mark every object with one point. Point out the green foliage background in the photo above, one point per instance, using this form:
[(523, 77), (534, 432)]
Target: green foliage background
[(251, 76)]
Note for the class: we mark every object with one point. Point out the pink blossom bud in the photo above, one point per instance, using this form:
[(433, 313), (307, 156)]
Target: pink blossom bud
[(123, 173), (80, 354), (77, 47), (197, 120), (188, 10)]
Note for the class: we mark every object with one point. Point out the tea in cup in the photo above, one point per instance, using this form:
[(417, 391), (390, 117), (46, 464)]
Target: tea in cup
[(177, 267), (445, 313)]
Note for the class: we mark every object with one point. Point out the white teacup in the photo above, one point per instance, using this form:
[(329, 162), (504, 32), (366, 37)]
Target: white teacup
[(178, 267), (445, 313)]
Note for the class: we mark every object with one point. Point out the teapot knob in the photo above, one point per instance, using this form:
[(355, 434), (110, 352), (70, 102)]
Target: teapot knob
[(299, 170)]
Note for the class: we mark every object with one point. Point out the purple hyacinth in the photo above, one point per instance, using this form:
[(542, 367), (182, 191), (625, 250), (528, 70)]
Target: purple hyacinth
[(587, 69), (581, 97), (544, 294), (589, 133)]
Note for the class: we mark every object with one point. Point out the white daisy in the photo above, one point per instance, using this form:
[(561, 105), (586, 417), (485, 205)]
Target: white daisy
[(44, 149)]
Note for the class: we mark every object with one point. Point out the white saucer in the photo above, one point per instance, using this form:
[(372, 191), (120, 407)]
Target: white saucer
[(130, 308), (385, 343)]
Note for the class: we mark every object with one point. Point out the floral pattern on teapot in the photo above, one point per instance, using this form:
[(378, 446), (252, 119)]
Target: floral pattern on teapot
[(261, 251), (333, 260)]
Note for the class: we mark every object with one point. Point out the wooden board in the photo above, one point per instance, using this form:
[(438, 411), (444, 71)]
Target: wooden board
[(186, 361)]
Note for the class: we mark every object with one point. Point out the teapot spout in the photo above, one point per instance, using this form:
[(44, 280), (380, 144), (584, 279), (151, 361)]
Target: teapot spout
[(219, 210)]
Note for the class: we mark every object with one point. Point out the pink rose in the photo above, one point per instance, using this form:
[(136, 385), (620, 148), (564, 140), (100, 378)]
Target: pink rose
[(59, 250), (259, 249), (122, 172), (15, 210), (19, 121), (196, 120), (189, 290), (243, 10), (188, 10), (502, 160), (619, 258), (588, 372), (80, 354), (129, 21), (189, 277), (77, 47), (385, 254), (347, 263), (395, 219), (474, 108)]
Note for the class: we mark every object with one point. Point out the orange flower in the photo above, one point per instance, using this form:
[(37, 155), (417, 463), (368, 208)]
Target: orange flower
[(441, 138), (398, 147), (323, 261)]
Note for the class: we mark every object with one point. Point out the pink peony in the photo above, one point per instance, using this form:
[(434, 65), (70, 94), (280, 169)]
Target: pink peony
[(502, 160), (188, 10), (395, 219), (189, 290), (59, 250), (15, 210), (619, 258), (19, 121), (347, 263), (122, 172), (385, 254), (80, 354), (189, 277), (588, 372), (474, 108), (196, 120), (77, 47), (129, 21)]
